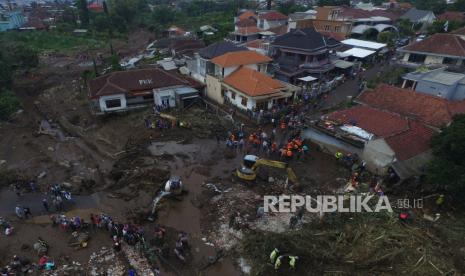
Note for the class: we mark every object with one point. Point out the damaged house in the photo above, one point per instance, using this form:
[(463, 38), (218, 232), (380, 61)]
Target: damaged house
[(392, 127), (126, 90)]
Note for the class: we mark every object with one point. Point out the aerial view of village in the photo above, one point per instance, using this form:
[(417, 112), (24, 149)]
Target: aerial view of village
[(232, 137)]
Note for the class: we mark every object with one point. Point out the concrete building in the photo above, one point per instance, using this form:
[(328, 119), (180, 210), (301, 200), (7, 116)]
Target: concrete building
[(438, 82)]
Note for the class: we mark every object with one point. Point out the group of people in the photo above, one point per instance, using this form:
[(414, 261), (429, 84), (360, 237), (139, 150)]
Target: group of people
[(159, 124), (277, 259), (294, 147), (73, 223)]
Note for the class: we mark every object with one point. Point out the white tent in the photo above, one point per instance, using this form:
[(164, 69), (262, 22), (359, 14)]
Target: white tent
[(307, 78), (356, 52), (363, 44)]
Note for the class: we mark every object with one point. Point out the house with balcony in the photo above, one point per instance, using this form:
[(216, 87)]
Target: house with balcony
[(229, 62), (438, 50), (200, 64), (240, 79), (245, 34), (302, 52)]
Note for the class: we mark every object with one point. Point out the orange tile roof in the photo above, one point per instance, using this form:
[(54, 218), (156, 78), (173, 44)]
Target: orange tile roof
[(257, 43), (240, 58), (252, 83)]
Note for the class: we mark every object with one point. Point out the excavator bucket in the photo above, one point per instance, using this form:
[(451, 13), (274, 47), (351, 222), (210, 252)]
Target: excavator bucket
[(291, 175)]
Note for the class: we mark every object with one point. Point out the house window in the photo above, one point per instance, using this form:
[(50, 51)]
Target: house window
[(223, 92), (114, 103), (337, 29), (416, 58), (302, 57), (244, 101), (233, 95), (327, 28), (449, 61)]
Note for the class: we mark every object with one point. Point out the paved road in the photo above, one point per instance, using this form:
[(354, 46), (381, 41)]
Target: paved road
[(350, 88)]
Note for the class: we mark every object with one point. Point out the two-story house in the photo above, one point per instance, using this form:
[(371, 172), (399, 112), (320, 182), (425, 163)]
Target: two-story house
[(229, 62), (436, 51), (200, 64), (302, 52), (271, 19), (240, 79)]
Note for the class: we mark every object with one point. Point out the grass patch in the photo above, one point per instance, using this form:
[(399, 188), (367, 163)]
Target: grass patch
[(54, 40)]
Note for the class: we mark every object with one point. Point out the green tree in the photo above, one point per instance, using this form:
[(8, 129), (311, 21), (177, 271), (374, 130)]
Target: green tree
[(405, 27), (163, 15), (114, 63), (83, 11), (446, 170), (459, 5), (8, 104), (290, 7), (386, 37), (101, 22), (6, 74), (25, 56), (333, 2)]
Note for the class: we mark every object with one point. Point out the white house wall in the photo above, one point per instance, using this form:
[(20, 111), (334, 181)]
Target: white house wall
[(159, 95), (214, 89), (103, 99)]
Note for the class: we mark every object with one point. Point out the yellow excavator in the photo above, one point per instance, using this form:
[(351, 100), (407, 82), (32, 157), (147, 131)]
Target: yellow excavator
[(248, 170)]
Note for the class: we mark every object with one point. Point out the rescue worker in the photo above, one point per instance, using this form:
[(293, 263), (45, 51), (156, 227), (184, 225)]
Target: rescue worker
[(274, 255), (292, 260), (277, 264), (339, 155), (440, 201)]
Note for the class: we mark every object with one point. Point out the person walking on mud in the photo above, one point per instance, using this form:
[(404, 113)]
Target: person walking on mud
[(45, 204)]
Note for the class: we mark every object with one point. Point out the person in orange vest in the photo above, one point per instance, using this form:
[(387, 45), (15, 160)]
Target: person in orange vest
[(283, 125), (290, 146), (289, 154), (274, 147), (298, 142)]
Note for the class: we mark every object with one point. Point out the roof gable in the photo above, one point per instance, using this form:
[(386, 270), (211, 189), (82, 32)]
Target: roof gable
[(370, 119), (440, 44), (428, 109), (240, 58), (133, 81), (218, 49), (306, 39), (272, 16), (252, 83)]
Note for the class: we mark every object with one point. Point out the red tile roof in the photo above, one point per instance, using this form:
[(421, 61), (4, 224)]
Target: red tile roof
[(240, 58), (441, 44), (378, 122), (248, 30), (252, 82), (412, 142), (247, 15), (460, 31), (133, 81), (257, 43), (272, 16), (246, 23), (452, 16), (280, 30), (431, 110)]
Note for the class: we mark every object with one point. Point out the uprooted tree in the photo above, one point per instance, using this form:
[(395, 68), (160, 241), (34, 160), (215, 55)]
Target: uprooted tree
[(446, 171)]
